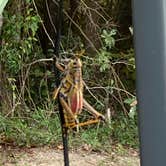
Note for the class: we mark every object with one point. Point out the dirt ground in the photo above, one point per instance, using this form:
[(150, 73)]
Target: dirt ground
[(53, 157)]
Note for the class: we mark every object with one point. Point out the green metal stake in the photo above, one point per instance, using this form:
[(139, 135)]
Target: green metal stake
[(150, 45)]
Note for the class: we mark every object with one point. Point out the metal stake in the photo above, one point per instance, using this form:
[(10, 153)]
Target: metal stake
[(150, 45)]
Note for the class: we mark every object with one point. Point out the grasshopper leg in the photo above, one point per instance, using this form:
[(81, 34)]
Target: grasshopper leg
[(67, 108), (92, 110)]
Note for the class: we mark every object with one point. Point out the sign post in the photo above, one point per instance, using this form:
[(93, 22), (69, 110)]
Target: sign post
[(149, 17)]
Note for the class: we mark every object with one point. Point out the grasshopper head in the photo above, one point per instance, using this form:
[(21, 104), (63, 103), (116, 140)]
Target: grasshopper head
[(75, 64)]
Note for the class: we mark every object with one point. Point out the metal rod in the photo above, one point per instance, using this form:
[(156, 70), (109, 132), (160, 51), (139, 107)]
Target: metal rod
[(57, 75), (149, 18), (65, 145)]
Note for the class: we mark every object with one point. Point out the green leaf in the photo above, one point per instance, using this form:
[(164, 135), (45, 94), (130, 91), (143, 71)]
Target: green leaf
[(129, 100), (132, 112), (2, 5), (108, 38), (113, 32)]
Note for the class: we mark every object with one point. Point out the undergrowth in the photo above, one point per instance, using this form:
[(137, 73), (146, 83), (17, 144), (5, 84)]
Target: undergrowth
[(27, 116), (42, 128), (37, 129)]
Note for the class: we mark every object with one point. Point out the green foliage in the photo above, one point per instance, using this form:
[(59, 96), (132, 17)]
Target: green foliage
[(108, 37), (122, 131), (126, 131), (117, 74), (97, 138), (39, 128), (133, 107), (21, 30), (109, 76), (105, 55)]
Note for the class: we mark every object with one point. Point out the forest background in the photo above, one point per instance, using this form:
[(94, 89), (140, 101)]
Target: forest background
[(103, 28)]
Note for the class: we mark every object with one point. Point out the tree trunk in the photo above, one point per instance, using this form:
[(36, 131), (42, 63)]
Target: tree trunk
[(1, 22), (5, 92), (92, 21), (5, 97), (122, 15), (48, 12)]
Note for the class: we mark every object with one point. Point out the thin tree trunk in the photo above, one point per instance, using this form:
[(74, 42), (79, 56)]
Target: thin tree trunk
[(91, 27), (5, 92)]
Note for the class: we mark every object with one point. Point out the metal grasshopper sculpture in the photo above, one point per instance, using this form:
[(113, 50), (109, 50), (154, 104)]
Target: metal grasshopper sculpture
[(70, 92)]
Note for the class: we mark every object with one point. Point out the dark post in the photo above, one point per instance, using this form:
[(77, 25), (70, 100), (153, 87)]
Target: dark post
[(57, 76), (149, 18)]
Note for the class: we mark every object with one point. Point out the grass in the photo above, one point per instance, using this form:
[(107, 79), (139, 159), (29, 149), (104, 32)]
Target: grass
[(37, 129), (41, 127)]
